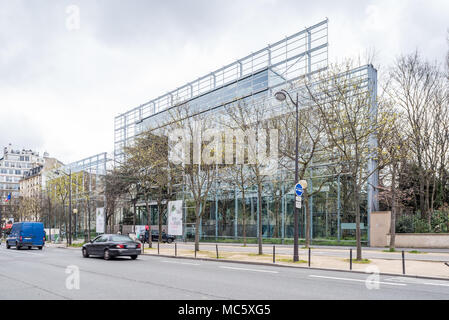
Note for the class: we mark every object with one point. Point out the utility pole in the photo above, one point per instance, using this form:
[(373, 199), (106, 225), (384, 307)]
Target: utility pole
[(282, 96)]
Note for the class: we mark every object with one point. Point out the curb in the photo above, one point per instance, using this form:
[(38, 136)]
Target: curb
[(295, 267), (74, 248)]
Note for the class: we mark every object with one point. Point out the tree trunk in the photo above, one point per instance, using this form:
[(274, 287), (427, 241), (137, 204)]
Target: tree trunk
[(88, 220), (159, 206), (60, 227), (428, 213), (244, 216), (150, 240), (197, 225), (259, 213), (393, 209), (357, 220), (276, 217), (307, 212), (134, 217)]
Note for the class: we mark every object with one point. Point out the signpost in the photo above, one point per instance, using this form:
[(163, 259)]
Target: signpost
[(299, 191)]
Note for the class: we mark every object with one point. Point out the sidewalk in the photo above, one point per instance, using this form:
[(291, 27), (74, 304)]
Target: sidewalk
[(413, 267)]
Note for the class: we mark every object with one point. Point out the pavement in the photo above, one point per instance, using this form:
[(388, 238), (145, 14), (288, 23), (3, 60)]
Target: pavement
[(426, 263), (49, 274)]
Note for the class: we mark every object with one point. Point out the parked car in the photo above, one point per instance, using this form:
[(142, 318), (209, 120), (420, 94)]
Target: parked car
[(155, 237), (26, 234), (112, 245)]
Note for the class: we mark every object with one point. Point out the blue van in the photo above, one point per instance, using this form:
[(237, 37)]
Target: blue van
[(26, 234)]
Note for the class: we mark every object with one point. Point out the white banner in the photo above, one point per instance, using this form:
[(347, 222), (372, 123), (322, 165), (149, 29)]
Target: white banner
[(140, 230), (175, 218), (100, 220)]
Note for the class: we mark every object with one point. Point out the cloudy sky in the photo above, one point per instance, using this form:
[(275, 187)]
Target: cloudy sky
[(62, 83)]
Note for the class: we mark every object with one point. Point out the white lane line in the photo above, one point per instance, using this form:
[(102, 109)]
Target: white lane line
[(21, 253), (436, 284), (244, 269), (188, 263), (419, 281), (358, 280)]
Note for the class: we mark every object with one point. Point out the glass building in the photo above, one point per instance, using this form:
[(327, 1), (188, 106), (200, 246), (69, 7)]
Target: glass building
[(251, 80)]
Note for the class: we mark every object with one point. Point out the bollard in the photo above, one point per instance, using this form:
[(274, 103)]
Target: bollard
[(216, 248), (158, 247), (309, 256), (274, 254), (176, 250), (350, 259), (403, 262)]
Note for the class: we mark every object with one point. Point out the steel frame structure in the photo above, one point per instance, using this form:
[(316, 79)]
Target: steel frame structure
[(302, 53)]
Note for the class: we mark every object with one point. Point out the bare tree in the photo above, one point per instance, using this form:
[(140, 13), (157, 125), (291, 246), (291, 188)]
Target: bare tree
[(418, 89), (312, 141), (117, 185), (345, 104), (194, 153), (252, 120), (394, 154)]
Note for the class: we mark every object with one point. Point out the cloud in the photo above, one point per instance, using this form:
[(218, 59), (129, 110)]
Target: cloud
[(60, 89)]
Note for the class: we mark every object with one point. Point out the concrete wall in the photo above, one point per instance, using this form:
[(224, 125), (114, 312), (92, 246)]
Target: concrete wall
[(421, 240), (380, 235), (379, 228)]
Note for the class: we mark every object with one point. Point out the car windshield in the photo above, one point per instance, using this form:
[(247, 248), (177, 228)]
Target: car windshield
[(119, 238)]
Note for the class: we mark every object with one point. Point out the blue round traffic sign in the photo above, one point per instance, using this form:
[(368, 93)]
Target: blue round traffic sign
[(298, 190)]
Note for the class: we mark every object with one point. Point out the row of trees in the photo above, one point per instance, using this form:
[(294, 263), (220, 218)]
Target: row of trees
[(50, 203), (416, 180), (402, 133)]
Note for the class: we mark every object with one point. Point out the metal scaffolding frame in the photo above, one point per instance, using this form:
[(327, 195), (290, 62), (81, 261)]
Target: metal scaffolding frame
[(302, 53)]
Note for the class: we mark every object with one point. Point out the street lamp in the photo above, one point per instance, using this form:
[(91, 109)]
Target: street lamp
[(69, 236), (282, 96), (133, 192), (75, 211)]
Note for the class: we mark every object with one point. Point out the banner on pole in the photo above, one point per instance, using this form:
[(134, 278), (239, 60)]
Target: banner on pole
[(100, 220), (175, 218)]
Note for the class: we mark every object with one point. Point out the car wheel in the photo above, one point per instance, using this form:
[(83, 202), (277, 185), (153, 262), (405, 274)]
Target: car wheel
[(40, 247), (29, 248), (169, 240), (8, 246), (134, 257), (107, 255), (85, 254)]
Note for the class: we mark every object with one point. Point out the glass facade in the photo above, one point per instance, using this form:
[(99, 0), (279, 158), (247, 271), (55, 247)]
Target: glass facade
[(227, 214)]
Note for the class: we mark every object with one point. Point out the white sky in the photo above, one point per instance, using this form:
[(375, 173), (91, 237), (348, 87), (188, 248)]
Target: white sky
[(60, 89)]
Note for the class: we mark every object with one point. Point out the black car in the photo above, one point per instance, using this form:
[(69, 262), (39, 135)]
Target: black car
[(112, 245), (155, 237)]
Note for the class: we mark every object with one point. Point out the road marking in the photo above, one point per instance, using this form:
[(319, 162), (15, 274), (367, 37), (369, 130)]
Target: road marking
[(419, 281), (21, 253), (437, 284), (358, 280), (192, 264), (244, 269)]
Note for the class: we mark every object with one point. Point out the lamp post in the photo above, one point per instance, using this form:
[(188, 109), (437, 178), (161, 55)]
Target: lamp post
[(133, 193), (282, 96), (69, 236), (75, 211)]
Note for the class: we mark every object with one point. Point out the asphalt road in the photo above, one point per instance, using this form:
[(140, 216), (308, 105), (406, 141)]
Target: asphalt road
[(34, 274)]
